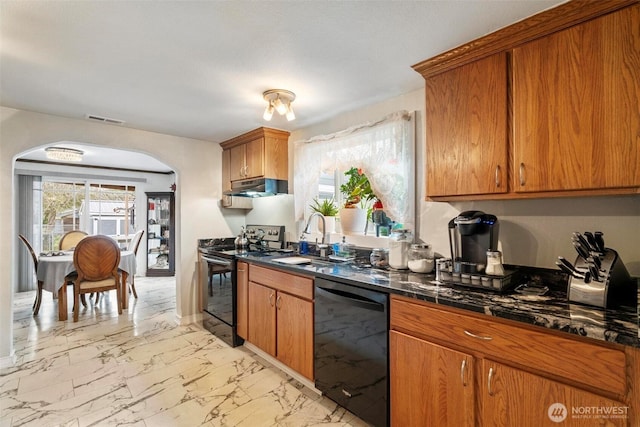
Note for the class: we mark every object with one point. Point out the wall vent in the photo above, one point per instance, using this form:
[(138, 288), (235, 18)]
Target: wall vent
[(105, 119)]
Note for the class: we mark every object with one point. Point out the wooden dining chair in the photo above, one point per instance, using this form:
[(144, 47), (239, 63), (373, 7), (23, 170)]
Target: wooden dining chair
[(96, 260), (38, 300), (133, 246), (70, 239)]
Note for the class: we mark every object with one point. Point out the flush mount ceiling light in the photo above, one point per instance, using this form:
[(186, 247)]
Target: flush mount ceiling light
[(279, 100), (64, 154)]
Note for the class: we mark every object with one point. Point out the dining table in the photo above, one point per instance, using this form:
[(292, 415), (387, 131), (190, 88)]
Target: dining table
[(54, 266)]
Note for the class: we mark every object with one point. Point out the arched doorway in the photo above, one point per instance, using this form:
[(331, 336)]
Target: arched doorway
[(105, 193)]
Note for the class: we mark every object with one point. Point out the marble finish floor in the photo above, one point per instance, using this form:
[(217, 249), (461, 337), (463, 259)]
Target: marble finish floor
[(142, 369)]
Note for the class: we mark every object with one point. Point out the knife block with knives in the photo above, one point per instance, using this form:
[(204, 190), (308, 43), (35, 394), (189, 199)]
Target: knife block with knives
[(598, 277)]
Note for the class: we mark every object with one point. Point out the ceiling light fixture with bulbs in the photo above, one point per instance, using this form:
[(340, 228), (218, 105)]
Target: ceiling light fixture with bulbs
[(64, 154), (279, 100)]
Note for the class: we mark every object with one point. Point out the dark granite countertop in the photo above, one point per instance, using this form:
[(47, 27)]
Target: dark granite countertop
[(551, 311)]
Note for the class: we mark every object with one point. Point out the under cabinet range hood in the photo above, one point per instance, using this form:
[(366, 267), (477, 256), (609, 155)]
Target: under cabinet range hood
[(235, 202), (258, 187)]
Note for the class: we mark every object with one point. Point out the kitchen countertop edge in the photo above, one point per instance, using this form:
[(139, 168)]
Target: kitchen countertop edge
[(550, 312)]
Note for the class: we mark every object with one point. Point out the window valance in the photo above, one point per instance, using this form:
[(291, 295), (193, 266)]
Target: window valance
[(383, 149)]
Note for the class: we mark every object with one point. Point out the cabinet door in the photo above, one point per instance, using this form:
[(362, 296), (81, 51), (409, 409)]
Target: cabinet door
[(237, 163), (430, 385), (466, 116), (295, 333), (576, 120), (242, 275), (254, 157), (262, 322), (513, 397)]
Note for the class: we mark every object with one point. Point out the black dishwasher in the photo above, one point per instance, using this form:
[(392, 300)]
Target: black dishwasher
[(350, 349)]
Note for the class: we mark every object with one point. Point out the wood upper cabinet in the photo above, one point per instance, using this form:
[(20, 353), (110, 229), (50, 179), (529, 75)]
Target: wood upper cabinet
[(466, 123), (246, 160), (242, 304), (513, 397), (576, 107), (280, 317), (545, 107), (436, 388), (262, 152)]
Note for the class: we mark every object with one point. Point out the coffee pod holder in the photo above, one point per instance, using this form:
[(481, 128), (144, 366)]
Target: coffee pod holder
[(610, 288), (445, 273)]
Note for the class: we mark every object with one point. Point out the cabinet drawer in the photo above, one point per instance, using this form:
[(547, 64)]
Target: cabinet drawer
[(289, 283), (573, 359)]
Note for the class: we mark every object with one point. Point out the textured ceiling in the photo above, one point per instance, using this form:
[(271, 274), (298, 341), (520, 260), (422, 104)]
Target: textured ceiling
[(198, 68)]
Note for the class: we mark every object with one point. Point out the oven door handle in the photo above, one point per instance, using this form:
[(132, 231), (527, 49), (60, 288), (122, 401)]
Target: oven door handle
[(217, 261), (351, 299)]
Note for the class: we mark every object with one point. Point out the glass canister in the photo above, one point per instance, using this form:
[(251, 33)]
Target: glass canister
[(379, 258), (399, 243), (420, 258), (494, 263)]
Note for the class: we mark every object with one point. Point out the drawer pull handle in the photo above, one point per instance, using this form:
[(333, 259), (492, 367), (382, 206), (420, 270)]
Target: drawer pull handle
[(522, 177), (491, 372), (463, 368), (480, 337), (498, 176)]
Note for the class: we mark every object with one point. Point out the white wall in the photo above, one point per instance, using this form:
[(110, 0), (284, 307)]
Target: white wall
[(198, 179), (532, 232)]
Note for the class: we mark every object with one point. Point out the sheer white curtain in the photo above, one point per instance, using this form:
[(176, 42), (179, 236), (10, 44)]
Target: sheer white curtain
[(383, 149)]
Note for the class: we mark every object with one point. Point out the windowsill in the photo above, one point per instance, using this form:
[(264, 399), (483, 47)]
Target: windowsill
[(368, 241)]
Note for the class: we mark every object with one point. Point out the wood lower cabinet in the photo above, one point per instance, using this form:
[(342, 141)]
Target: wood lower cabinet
[(466, 115), (294, 323), (576, 120), (436, 388), (280, 317), (242, 299), (513, 397), (448, 368), (262, 318)]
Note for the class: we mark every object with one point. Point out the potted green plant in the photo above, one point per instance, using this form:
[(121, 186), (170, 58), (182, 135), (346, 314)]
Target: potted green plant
[(325, 207), (358, 195), (328, 209)]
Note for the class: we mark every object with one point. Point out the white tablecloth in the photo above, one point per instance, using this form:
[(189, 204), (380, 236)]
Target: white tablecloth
[(53, 269)]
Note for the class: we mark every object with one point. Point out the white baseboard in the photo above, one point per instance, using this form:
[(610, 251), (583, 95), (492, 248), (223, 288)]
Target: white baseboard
[(8, 361), (275, 362)]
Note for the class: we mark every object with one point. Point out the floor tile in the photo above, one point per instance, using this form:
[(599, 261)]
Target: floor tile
[(142, 369)]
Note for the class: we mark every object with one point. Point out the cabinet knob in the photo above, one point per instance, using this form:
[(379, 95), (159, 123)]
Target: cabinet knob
[(271, 299), (522, 175), (278, 302)]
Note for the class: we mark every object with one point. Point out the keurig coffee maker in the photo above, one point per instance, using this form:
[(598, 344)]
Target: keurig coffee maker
[(471, 235)]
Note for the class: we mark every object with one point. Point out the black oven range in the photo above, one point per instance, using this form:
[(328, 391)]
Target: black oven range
[(219, 285)]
